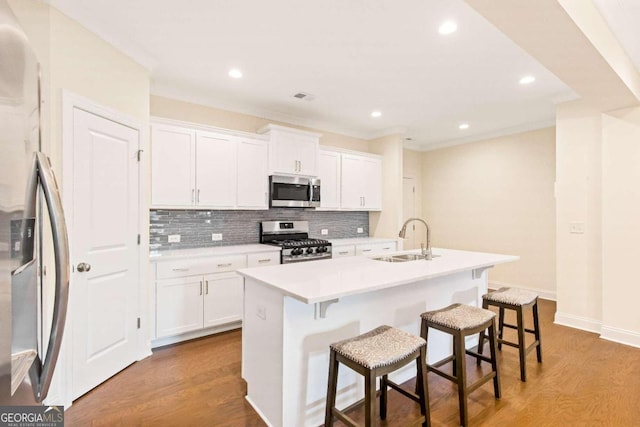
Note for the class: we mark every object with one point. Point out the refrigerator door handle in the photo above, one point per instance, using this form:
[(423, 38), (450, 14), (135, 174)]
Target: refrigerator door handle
[(42, 373)]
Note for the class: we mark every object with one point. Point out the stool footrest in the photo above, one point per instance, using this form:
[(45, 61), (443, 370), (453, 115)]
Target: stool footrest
[(478, 356), (509, 343), (481, 381), (442, 362), (431, 368), (396, 387), (344, 418)]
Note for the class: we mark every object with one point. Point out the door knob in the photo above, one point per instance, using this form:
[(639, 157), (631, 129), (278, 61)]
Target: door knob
[(83, 266)]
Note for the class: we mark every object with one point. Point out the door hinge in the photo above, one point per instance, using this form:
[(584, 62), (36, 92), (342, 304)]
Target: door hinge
[(138, 239), (414, 189), (138, 323), (140, 154)]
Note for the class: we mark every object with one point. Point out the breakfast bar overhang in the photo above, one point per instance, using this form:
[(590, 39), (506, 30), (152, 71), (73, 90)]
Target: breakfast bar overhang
[(293, 312)]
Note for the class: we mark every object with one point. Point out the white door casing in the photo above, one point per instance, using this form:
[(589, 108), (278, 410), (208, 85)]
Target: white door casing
[(105, 224)]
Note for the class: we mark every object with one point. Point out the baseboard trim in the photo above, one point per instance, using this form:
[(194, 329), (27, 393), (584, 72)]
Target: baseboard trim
[(578, 322), (544, 294), (255, 408), (621, 336), (159, 342)]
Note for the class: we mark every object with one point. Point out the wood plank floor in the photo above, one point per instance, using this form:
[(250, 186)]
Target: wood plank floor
[(583, 381)]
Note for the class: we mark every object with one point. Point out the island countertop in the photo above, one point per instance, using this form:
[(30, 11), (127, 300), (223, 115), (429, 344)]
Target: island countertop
[(319, 281)]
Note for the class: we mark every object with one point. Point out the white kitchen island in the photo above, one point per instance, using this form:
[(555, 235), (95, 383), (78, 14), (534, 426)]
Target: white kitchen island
[(293, 312)]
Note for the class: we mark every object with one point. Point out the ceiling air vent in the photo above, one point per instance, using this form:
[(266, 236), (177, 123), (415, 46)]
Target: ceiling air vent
[(305, 96)]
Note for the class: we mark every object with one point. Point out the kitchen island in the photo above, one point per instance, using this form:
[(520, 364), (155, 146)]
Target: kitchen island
[(293, 312)]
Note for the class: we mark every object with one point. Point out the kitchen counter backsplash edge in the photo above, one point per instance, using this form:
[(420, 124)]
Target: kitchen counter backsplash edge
[(195, 227)]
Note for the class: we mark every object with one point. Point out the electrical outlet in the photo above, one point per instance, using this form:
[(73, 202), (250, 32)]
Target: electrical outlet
[(216, 237), (576, 227), (324, 231), (360, 230), (174, 238), (261, 312)]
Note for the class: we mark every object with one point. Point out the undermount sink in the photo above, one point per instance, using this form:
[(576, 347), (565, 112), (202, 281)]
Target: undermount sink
[(402, 258)]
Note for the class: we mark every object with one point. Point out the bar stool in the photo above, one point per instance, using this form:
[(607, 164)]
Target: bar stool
[(461, 320), (517, 300), (374, 354)]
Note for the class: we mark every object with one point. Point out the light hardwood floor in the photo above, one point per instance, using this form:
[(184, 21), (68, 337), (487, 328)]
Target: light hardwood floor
[(583, 381)]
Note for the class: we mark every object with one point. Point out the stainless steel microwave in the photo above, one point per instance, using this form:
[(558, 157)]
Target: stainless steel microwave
[(294, 192)]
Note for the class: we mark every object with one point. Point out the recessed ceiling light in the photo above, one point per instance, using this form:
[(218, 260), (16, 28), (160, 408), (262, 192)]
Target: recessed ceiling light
[(448, 27), (463, 126), (527, 79), (376, 114), (235, 73)]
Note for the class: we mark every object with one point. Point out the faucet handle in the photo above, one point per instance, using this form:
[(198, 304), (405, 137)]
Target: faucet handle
[(422, 249)]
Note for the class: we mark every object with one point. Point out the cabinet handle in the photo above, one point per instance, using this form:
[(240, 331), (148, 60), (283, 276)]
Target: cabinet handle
[(198, 197), (364, 201), (266, 198), (300, 165), (193, 195), (264, 260), (366, 250), (201, 287), (180, 269), (206, 287), (343, 253), (225, 265)]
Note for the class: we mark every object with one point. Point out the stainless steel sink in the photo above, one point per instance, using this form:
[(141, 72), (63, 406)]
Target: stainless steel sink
[(402, 258), (389, 259)]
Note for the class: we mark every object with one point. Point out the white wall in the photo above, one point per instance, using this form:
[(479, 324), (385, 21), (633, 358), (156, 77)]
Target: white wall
[(497, 196)]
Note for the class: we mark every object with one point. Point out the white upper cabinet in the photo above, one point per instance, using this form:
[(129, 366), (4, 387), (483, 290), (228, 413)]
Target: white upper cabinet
[(207, 169), (216, 166), (361, 183), (329, 174), (173, 173), (292, 151), (253, 182)]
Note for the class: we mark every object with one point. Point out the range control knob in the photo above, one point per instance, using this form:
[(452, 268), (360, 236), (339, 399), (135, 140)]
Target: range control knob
[(309, 250)]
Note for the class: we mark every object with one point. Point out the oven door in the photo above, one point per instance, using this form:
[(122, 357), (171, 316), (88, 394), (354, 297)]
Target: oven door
[(289, 192)]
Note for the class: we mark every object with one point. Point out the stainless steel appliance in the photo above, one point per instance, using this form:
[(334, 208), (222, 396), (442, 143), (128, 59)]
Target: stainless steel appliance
[(294, 192), (28, 194), (293, 239)]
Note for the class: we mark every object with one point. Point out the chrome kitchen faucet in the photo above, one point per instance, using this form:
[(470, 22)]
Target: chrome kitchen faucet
[(426, 252)]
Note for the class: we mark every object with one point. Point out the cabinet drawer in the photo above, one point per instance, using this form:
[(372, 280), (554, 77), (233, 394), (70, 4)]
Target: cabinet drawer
[(341, 251), (259, 260), (375, 248), (199, 266)]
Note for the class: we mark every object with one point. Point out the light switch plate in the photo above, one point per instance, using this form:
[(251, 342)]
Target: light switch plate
[(576, 227), (324, 231), (360, 230), (174, 238), (216, 237)]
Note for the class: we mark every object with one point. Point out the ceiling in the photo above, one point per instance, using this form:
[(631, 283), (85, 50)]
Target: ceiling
[(353, 56)]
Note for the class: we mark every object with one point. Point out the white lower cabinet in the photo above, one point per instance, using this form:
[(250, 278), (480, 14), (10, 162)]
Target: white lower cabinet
[(200, 296), (223, 299), (342, 251)]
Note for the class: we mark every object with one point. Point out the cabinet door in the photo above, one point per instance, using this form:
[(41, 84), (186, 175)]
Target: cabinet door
[(216, 170), (173, 172), (253, 177), (294, 153), (223, 298), (178, 305), (352, 179), (329, 173), (372, 184)]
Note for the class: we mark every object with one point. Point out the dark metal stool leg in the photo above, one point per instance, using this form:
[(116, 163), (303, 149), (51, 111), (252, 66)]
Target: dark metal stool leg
[(383, 397), (369, 398), (459, 349), (500, 327)]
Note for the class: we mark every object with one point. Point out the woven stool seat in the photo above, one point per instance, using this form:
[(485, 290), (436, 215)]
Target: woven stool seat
[(513, 296), (382, 346), (459, 317)]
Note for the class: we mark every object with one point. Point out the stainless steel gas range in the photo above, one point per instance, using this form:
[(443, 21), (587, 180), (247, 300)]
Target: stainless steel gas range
[(293, 239)]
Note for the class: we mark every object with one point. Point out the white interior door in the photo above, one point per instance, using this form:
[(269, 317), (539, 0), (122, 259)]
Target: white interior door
[(105, 237), (409, 211)]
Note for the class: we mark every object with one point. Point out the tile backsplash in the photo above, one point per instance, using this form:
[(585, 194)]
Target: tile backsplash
[(195, 227)]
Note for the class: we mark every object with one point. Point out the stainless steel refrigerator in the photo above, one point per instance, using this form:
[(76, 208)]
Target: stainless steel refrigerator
[(31, 224)]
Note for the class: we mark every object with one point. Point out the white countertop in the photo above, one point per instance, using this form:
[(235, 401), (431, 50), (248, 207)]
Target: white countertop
[(360, 241), (318, 281), (211, 251)]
